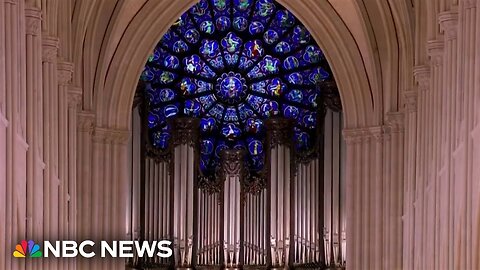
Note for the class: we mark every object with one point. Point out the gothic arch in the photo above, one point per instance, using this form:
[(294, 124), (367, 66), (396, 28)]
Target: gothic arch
[(112, 105)]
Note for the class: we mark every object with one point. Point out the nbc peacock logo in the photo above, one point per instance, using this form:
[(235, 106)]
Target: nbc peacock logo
[(27, 249)]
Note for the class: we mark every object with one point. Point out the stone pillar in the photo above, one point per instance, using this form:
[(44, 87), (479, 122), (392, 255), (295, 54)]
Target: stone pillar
[(14, 106), (185, 143), (109, 188), (74, 101), (232, 171), (451, 130), (64, 72), (422, 77), (435, 153), (368, 194), (35, 163), (85, 125), (394, 180), (50, 136), (279, 140), (410, 116)]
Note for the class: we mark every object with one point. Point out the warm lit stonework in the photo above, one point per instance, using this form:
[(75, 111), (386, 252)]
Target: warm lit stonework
[(348, 136)]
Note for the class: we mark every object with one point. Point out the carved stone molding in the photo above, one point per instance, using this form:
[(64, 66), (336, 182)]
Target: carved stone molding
[(411, 98), (422, 77), (279, 131), (50, 49), (362, 135), (353, 136), (232, 163), (470, 4), (33, 20), (394, 122), (86, 122), (113, 136), (12, 2), (65, 72), (449, 24), (435, 49), (74, 97), (185, 130)]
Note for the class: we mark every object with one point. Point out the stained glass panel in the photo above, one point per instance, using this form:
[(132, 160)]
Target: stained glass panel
[(234, 64)]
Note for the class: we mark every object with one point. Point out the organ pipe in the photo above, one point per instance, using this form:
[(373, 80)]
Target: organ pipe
[(285, 218)]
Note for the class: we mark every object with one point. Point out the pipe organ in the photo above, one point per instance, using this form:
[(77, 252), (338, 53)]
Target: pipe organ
[(292, 216)]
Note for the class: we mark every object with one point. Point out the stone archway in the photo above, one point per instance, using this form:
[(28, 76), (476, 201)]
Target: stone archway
[(369, 150)]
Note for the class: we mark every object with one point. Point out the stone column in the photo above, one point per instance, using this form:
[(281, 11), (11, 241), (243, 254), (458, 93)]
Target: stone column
[(467, 50), (185, 143), (109, 188), (279, 142), (436, 104), (35, 163), (422, 77), (50, 136), (394, 180), (85, 125), (14, 106), (451, 130), (74, 101), (232, 171), (64, 72), (410, 112), (367, 201)]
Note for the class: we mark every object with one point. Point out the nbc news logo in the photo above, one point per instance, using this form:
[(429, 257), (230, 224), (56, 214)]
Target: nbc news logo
[(114, 249), (27, 248)]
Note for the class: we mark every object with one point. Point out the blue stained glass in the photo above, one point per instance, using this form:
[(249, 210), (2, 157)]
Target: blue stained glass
[(165, 95), (171, 111), (234, 64), (290, 63), (207, 147), (166, 77), (231, 115), (192, 108), (217, 112), (207, 101), (276, 87), (192, 36), (240, 23), (263, 10), (291, 112), (270, 36), (254, 126), (231, 132), (268, 66), (232, 43), (282, 47), (255, 147), (220, 146), (302, 140), (295, 95), (193, 64), (209, 48), (161, 139), (270, 109), (220, 4), (256, 28), (242, 4), (245, 112), (187, 86), (208, 125)]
